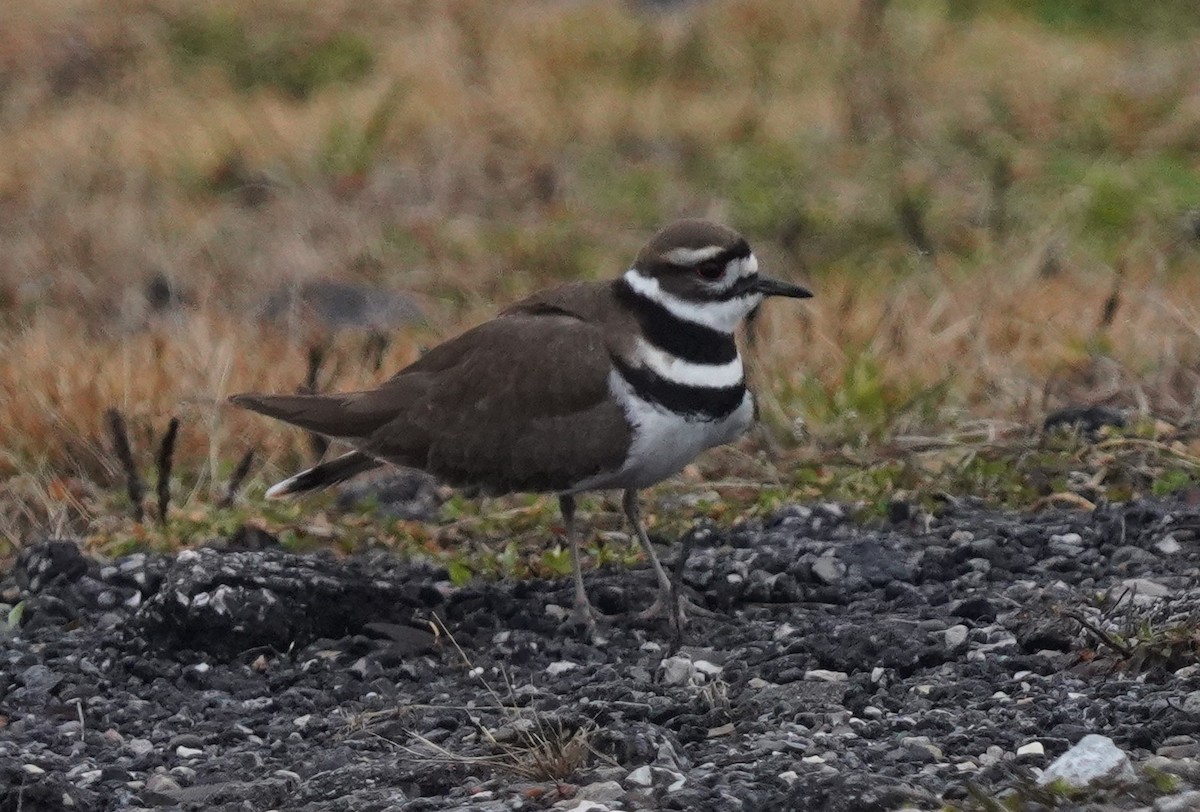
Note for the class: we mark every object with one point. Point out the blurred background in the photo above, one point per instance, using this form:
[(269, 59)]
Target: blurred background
[(996, 201)]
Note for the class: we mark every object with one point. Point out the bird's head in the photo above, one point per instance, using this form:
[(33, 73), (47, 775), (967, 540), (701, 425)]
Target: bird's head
[(705, 273)]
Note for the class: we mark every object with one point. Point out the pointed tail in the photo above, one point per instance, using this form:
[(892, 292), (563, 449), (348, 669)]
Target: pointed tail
[(324, 474), (331, 415)]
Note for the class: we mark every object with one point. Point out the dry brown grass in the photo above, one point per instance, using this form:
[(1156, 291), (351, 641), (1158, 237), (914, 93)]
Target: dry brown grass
[(1047, 170)]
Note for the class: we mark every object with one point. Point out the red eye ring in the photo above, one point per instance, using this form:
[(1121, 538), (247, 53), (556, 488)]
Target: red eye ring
[(710, 271)]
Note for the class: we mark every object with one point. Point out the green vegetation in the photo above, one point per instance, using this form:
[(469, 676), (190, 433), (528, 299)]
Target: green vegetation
[(352, 148), (519, 537), (289, 60), (1116, 17), (1026, 795)]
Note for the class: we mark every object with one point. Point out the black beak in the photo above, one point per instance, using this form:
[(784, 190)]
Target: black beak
[(773, 287)]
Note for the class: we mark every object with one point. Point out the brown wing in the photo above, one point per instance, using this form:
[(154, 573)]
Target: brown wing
[(520, 403)]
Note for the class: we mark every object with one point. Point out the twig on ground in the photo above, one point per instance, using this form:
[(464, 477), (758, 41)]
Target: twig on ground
[(1103, 636), (316, 357), (133, 481), (1113, 303), (166, 454), (1120, 442), (547, 752), (1064, 498), (235, 481), (374, 349)]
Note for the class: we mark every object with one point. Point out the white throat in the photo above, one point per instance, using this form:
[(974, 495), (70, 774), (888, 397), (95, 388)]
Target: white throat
[(721, 316)]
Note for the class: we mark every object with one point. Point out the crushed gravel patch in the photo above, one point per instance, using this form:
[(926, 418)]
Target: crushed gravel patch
[(848, 667)]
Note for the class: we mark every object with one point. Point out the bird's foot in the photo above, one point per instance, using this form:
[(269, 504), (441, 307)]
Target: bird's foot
[(684, 607), (586, 621)]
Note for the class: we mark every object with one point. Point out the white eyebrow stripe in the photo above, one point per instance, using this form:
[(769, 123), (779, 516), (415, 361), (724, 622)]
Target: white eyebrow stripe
[(692, 256), (689, 373)]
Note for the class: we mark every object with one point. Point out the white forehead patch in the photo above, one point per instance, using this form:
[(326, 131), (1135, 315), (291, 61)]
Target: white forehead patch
[(691, 256), (735, 270), (746, 266)]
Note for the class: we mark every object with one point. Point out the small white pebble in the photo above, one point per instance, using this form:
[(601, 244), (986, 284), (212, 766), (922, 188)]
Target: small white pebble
[(88, 778), (1031, 749), (140, 747), (823, 675), (188, 752), (641, 777), (1168, 546)]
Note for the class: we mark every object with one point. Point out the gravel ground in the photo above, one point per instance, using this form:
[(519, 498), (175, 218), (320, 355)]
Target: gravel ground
[(929, 662)]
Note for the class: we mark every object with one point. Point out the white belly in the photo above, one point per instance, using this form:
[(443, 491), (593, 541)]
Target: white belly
[(663, 441)]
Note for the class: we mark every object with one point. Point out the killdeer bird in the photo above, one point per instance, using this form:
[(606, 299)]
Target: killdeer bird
[(587, 386)]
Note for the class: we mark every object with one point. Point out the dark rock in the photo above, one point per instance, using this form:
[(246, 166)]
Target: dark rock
[(1052, 635), (341, 305), (404, 494), (248, 538), (49, 563), (876, 563), (226, 603), (162, 294), (38, 679), (1087, 419), (405, 640)]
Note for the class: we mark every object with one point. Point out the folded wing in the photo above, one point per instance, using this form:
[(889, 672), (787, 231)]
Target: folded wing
[(519, 403)]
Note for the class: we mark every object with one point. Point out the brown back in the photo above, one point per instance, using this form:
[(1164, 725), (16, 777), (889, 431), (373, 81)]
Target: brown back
[(519, 403)]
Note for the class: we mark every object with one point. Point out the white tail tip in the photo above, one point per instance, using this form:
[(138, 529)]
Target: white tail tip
[(281, 490)]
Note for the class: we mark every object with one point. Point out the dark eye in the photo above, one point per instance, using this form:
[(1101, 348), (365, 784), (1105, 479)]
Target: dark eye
[(711, 270)]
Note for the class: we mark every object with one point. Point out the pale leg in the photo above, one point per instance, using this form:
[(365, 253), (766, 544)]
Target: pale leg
[(666, 597), (582, 613)]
